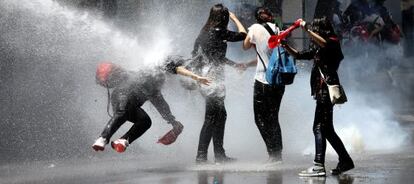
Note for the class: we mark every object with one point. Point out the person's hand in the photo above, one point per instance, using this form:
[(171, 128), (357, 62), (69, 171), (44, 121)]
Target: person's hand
[(203, 80), (297, 22), (304, 25), (241, 67), (283, 42)]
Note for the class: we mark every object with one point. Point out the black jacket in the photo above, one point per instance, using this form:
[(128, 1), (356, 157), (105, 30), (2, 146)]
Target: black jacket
[(210, 49), (139, 87), (327, 59)]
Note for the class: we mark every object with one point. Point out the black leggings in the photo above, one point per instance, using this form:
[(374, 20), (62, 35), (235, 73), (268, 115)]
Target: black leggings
[(213, 127), (126, 109), (266, 103), (323, 130)]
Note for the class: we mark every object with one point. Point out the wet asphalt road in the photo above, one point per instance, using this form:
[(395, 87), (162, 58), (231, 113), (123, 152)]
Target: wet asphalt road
[(393, 166), (385, 167)]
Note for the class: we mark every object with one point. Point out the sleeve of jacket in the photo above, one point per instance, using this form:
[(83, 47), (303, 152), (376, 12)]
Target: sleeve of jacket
[(162, 106), (306, 55), (232, 36)]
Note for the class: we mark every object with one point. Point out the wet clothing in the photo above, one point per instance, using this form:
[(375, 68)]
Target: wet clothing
[(213, 127), (259, 36), (209, 60), (323, 130), (266, 98), (328, 60), (128, 97), (266, 104)]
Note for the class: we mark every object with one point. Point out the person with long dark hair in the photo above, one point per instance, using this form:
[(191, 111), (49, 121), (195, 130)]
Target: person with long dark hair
[(209, 60), (325, 50), (267, 98)]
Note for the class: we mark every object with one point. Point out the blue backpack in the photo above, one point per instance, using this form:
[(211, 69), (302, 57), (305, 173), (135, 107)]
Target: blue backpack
[(281, 69)]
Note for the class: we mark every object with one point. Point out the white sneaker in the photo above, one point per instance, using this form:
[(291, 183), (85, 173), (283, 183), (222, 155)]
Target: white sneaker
[(316, 170), (99, 144), (120, 145)]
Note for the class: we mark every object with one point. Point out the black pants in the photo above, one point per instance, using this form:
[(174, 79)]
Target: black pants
[(126, 109), (323, 130), (213, 128), (266, 105)]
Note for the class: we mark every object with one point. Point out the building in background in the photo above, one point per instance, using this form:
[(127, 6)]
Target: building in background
[(408, 26)]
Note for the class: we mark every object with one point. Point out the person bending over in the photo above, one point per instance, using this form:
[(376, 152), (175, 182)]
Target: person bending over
[(130, 91)]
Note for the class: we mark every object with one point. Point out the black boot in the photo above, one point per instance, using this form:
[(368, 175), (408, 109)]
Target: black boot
[(343, 166), (222, 159), (275, 157), (201, 157)]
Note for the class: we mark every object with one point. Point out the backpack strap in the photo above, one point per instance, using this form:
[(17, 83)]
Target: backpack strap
[(280, 58), (265, 69), (267, 27), (271, 32)]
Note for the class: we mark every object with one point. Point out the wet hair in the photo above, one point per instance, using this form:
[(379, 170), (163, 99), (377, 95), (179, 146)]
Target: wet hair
[(263, 15), (218, 18), (323, 27)]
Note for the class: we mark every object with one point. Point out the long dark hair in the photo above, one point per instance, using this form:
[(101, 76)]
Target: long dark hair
[(323, 27), (219, 17)]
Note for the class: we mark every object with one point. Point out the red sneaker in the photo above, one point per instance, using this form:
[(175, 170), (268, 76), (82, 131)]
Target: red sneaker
[(120, 145)]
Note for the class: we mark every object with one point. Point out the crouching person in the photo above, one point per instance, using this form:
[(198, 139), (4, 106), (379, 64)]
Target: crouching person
[(130, 91)]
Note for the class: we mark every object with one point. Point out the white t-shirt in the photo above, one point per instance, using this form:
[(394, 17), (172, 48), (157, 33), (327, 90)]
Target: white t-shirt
[(259, 36)]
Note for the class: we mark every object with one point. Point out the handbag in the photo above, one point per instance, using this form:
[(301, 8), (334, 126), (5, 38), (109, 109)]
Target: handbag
[(336, 92)]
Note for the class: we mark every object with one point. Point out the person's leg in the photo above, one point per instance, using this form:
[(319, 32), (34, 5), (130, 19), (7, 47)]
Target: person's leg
[(266, 108), (318, 131), (119, 104), (274, 98), (318, 168), (345, 161), (218, 128), (142, 122), (206, 132)]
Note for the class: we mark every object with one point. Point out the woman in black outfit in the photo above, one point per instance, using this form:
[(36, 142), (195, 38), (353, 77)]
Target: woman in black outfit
[(209, 60), (130, 91), (326, 52)]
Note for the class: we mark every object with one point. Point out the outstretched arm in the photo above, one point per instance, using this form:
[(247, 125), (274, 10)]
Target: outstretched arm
[(244, 66), (292, 51), (303, 55), (164, 109), (182, 71)]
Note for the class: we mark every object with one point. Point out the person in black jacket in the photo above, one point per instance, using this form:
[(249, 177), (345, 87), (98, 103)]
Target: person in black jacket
[(209, 60), (131, 91), (327, 54)]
